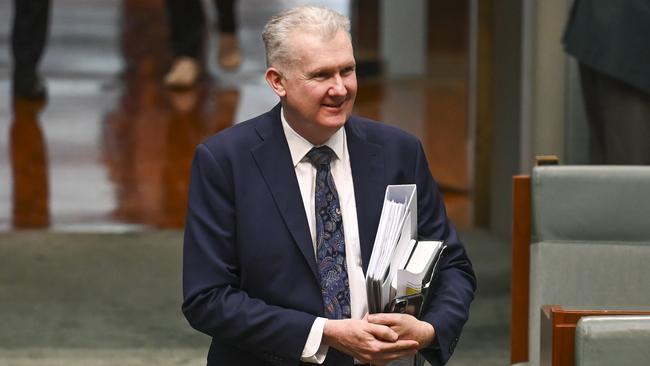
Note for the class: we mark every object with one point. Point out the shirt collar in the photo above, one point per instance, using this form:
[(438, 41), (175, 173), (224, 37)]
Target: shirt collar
[(299, 146)]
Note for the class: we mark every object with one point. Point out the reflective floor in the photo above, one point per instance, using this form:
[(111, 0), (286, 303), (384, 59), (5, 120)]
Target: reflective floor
[(111, 148)]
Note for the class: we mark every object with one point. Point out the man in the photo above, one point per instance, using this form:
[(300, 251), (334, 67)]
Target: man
[(283, 210), (611, 42)]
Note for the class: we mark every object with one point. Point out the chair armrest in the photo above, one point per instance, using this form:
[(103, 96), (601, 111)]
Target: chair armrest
[(612, 340)]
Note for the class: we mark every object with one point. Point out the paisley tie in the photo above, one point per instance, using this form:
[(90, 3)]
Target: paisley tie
[(330, 242)]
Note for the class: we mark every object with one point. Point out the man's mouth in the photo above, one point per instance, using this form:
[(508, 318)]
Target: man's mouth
[(334, 105)]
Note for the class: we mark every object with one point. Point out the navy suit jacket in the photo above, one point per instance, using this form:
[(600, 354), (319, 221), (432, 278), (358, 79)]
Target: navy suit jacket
[(250, 278)]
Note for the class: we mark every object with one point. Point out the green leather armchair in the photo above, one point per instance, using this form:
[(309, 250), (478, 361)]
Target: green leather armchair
[(589, 243)]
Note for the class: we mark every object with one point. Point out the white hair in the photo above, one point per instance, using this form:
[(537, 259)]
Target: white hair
[(314, 19)]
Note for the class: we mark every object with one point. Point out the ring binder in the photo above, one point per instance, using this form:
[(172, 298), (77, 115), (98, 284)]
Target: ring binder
[(400, 266)]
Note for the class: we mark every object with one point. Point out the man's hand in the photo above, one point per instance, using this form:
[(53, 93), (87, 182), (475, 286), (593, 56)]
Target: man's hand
[(406, 326), (369, 343)]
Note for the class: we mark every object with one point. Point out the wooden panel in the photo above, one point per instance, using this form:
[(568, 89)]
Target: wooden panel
[(520, 268)]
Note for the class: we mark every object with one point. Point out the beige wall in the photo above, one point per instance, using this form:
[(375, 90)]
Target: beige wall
[(529, 94), (544, 108)]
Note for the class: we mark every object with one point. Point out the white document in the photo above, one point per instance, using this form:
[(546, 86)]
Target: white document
[(410, 278), (399, 264), (397, 227)]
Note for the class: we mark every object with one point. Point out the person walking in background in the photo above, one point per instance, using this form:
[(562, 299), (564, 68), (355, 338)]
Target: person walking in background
[(611, 42), (187, 28), (28, 37)]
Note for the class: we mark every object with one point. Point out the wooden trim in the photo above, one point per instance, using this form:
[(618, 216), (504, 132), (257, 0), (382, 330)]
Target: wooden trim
[(521, 231)]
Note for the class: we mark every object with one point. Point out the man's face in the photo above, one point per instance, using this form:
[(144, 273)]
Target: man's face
[(320, 87)]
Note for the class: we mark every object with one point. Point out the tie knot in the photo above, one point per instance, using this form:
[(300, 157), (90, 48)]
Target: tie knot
[(320, 155)]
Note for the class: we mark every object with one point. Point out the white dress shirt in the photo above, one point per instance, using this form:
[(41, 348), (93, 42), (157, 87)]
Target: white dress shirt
[(314, 351)]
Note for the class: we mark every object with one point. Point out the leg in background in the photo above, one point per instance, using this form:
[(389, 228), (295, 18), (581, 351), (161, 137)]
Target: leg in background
[(229, 53), (187, 33), (619, 119), (28, 38)]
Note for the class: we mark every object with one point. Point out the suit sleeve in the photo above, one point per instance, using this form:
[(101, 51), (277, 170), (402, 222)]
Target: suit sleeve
[(454, 289), (213, 302)]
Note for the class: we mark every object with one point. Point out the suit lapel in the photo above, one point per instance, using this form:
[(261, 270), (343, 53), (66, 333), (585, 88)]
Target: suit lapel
[(366, 160), (367, 164), (274, 160)]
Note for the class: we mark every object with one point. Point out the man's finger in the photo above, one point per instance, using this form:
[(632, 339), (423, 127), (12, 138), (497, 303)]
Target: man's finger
[(399, 346), (388, 351), (382, 332), (392, 351), (391, 356), (385, 318)]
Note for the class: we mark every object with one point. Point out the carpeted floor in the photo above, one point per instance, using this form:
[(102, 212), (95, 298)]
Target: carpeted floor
[(114, 299)]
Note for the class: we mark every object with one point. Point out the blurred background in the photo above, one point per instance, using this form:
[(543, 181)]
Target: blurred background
[(93, 181)]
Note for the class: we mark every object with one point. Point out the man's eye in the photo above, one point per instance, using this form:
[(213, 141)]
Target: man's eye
[(347, 71)]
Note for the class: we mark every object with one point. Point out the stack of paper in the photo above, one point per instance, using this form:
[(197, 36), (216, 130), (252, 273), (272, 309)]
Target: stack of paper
[(397, 227), (419, 268), (400, 265), (400, 268)]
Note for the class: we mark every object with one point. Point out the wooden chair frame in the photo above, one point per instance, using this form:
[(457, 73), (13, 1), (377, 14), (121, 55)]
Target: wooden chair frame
[(521, 236)]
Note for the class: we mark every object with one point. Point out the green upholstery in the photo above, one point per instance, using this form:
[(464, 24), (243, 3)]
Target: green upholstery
[(613, 340), (591, 239), (591, 203)]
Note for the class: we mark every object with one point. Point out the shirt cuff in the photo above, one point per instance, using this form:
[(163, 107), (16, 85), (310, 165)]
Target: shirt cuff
[(314, 351)]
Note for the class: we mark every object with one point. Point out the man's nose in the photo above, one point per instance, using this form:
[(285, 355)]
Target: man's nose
[(338, 86)]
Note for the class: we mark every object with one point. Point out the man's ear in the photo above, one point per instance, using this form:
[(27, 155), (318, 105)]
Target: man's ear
[(275, 79)]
